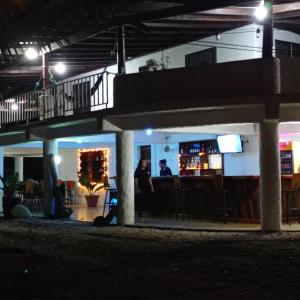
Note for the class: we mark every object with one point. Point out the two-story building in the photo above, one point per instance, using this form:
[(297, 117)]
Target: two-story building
[(193, 92)]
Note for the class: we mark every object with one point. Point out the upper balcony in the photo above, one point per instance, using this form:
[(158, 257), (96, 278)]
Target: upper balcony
[(70, 98), (251, 82)]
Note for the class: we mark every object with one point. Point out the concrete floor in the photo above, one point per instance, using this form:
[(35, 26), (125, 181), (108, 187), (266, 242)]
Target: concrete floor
[(83, 213)]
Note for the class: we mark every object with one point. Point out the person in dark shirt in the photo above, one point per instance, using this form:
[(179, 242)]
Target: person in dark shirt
[(164, 170), (143, 186)]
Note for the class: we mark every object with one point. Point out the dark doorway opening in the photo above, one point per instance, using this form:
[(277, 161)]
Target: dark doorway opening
[(33, 168)]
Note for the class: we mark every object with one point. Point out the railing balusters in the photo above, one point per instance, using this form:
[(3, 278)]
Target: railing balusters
[(79, 95)]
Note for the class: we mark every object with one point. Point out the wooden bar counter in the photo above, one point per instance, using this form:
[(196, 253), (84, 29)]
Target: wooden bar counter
[(241, 191)]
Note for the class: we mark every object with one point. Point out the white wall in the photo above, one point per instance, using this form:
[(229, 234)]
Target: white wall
[(235, 164), (238, 44), (245, 163)]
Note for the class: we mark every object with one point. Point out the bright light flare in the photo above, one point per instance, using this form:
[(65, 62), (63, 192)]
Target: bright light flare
[(31, 53), (14, 107), (60, 68), (261, 12), (57, 159)]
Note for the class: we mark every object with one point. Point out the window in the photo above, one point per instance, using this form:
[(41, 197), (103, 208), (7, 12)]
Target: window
[(283, 48), (204, 57)]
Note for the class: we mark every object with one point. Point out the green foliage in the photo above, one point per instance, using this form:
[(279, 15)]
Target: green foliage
[(10, 184), (91, 187)]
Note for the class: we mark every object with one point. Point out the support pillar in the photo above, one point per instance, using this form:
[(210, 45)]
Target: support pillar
[(49, 147), (270, 177), (2, 174), (121, 50), (125, 174), (45, 74), (19, 167), (267, 50)]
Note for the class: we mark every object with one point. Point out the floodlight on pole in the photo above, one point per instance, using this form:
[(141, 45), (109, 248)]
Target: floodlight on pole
[(31, 53), (261, 11)]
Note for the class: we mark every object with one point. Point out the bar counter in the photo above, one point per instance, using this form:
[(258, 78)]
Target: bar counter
[(206, 195)]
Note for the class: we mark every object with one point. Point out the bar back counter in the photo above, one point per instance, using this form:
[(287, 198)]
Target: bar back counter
[(217, 197)]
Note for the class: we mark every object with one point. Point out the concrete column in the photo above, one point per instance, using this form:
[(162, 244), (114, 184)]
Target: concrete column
[(125, 174), (267, 50), (270, 177), (19, 167), (2, 174), (49, 147)]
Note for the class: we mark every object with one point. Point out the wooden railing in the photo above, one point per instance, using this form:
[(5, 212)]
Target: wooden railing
[(90, 93)]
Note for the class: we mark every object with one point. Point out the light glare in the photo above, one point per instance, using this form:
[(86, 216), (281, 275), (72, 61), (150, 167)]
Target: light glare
[(31, 53), (57, 159), (14, 107), (261, 12), (60, 68)]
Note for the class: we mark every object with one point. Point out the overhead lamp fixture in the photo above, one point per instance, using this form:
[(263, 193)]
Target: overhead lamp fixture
[(149, 131), (60, 68), (218, 37), (261, 11), (31, 53), (57, 159)]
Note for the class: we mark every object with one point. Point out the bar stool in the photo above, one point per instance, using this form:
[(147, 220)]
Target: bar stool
[(291, 198), (110, 192), (292, 205), (184, 202), (224, 207)]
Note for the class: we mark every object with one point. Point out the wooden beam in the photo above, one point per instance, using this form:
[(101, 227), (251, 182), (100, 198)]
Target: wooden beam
[(287, 7), (210, 18)]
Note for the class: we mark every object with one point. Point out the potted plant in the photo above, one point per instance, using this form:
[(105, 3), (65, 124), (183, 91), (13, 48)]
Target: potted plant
[(9, 186), (92, 198)]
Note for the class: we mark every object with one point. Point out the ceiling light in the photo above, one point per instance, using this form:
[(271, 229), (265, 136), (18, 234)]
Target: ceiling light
[(57, 159), (261, 11), (31, 53), (148, 131), (60, 68)]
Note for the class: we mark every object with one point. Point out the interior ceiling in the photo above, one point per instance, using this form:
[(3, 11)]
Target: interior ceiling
[(83, 34)]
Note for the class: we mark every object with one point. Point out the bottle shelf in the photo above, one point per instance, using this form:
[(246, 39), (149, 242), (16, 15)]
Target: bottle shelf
[(196, 157)]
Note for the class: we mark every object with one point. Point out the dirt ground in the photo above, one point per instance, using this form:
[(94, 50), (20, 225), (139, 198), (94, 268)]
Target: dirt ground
[(42, 259)]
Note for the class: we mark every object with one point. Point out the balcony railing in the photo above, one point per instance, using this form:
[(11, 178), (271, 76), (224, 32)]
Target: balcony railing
[(73, 97)]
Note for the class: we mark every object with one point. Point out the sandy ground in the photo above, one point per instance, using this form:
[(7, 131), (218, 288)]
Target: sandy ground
[(42, 259)]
